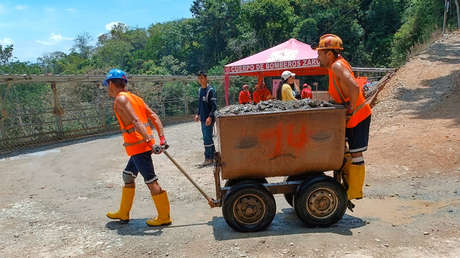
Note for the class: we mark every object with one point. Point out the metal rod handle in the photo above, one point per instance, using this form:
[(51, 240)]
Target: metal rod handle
[(210, 200)]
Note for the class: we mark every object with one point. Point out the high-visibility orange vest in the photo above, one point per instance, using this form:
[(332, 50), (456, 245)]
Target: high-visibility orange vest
[(362, 109), (133, 141)]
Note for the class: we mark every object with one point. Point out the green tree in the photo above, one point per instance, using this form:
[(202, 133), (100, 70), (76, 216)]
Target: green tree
[(6, 53), (271, 20), (420, 19), (381, 21), (245, 43), (173, 65), (52, 63), (340, 17), (306, 31), (215, 26), (118, 31), (82, 46), (17, 67), (151, 68), (113, 53)]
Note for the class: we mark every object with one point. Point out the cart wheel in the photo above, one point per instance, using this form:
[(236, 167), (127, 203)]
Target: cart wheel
[(232, 182), (321, 203), (290, 196), (249, 208)]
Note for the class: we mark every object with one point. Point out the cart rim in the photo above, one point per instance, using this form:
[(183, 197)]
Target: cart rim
[(249, 209), (322, 203)]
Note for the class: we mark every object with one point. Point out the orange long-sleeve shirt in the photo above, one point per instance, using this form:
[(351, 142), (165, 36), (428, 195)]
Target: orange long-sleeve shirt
[(261, 95), (306, 93), (245, 97)]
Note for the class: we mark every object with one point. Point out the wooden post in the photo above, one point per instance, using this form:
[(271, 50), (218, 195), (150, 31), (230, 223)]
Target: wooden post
[(446, 8), (101, 110), (162, 103), (458, 14), (186, 110), (19, 111), (58, 112), (185, 105), (163, 109)]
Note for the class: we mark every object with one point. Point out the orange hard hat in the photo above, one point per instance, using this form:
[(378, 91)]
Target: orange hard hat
[(330, 41)]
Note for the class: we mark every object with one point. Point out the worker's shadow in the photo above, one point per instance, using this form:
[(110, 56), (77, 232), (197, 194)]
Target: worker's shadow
[(137, 227), (285, 223)]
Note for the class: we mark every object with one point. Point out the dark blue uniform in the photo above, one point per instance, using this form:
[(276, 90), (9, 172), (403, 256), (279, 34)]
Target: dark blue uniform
[(207, 106)]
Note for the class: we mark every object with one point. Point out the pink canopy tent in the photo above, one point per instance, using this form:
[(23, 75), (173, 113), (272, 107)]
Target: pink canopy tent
[(292, 55)]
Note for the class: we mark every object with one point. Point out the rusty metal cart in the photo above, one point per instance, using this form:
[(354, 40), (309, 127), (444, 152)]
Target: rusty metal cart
[(298, 145)]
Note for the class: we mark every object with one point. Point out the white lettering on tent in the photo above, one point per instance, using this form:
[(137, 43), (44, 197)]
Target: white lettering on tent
[(243, 68), (273, 66)]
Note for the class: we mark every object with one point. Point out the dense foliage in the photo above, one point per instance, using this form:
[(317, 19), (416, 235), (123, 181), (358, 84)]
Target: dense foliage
[(375, 33)]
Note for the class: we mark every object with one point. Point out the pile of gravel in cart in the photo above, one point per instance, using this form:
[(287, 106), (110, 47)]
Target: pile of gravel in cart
[(272, 106)]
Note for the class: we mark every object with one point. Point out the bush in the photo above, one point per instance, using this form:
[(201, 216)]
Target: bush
[(423, 17)]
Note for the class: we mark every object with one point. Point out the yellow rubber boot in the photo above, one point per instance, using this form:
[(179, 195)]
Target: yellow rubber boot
[(127, 197), (355, 180), (162, 204)]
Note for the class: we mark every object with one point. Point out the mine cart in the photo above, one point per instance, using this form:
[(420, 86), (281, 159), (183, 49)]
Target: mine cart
[(299, 145)]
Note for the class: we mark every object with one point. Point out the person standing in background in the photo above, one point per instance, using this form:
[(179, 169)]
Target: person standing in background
[(285, 92), (261, 93), (207, 105), (306, 91), (245, 95)]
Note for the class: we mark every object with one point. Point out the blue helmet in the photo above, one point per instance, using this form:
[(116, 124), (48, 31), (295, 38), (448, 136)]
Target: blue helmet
[(115, 74)]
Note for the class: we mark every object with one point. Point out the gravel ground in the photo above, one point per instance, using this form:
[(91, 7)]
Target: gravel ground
[(272, 106)]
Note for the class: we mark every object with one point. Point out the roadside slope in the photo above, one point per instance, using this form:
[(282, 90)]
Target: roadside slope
[(416, 122)]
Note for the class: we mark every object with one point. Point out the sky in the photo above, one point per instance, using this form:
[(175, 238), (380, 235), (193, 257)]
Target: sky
[(39, 27)]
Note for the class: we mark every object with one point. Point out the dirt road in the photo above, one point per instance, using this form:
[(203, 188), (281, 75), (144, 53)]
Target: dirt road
[(53, 201)]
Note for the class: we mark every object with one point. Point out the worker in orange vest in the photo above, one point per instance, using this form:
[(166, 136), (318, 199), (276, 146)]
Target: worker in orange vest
[(261, 93), (245, 95), (344, 90), (306, 91), (133, 116)]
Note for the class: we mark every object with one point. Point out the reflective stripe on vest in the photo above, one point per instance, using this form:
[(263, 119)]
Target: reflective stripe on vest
[(132, 129), (358, 108), (126, 144), (337, 89)]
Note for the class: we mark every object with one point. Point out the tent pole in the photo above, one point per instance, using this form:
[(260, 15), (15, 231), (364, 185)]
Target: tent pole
[(227, 81)]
